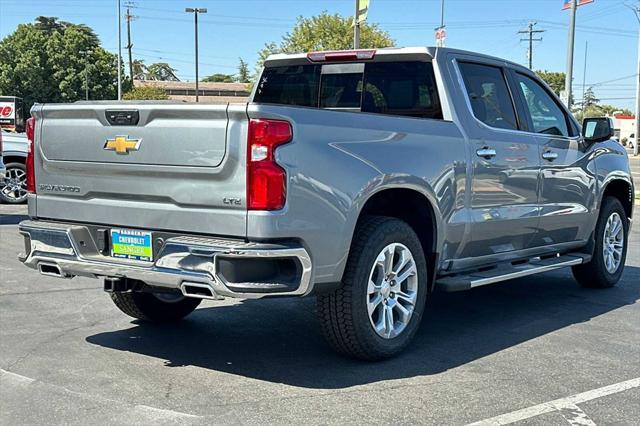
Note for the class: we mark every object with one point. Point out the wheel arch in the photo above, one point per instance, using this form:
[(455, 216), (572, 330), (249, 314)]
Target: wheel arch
[(414, 207), (621, 189), (11, 157)]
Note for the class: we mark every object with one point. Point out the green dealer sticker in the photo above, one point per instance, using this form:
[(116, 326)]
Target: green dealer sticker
[(131, 244)]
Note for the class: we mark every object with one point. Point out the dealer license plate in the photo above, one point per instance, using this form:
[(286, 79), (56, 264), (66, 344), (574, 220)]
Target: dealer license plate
[(131, 244)]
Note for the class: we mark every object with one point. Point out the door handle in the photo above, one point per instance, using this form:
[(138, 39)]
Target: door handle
[(486, 153), (549, 155)]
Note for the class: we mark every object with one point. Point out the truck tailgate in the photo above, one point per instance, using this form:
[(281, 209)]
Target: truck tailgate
[(150, 165)]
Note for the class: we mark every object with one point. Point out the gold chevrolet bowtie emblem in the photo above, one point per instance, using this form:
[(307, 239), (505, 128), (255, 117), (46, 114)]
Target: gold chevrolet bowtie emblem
[(122, 144)]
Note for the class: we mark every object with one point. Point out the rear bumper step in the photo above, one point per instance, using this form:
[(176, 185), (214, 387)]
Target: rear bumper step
[(502, 273), (201, 267)]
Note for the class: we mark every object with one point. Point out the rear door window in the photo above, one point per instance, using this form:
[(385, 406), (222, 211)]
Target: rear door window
[(489, 95)]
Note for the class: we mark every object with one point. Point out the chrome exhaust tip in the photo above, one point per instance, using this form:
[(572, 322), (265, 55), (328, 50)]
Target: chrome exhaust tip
[(199, 291), (52, 270)]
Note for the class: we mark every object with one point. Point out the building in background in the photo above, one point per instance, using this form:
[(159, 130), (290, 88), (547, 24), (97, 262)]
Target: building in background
[(625, 126), (209, 92)]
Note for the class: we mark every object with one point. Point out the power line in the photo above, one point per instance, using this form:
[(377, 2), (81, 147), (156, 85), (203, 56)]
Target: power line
[(531, 32)]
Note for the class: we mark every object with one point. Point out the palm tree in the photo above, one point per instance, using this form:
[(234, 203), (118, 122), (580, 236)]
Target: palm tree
[(161, 71), (139, 69)]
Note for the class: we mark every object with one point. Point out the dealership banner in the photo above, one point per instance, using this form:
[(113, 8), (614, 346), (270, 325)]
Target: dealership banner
[(7, 113), (567, 3), (363, 10)]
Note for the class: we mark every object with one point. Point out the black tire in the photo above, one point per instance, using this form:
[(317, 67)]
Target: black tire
[(148, 307), (343, 312), (595, 274), (14, 198)]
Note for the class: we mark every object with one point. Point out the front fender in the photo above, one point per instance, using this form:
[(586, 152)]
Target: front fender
[(612, 164)]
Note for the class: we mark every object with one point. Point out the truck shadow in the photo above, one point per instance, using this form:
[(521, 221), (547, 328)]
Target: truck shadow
[(278, 340)]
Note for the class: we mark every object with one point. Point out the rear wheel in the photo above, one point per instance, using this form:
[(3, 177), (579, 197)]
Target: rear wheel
[(160, 307), (377, 311), (13, 188), (605, 268)]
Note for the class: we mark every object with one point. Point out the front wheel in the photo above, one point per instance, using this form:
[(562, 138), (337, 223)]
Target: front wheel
[(160, 307), (377, 311), (611, 236)]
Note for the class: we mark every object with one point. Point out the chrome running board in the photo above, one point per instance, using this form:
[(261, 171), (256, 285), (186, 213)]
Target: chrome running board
[(500, 273)]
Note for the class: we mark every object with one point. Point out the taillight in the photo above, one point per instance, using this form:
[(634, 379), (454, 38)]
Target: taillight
[(341, 55), (266, 180), (31, 176)]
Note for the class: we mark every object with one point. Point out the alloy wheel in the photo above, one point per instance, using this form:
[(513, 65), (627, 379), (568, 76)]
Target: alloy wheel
[(392, 290), (613, 242), (14, 185)]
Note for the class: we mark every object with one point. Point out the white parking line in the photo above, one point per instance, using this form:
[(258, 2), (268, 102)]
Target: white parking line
[(152, 414), (566, 406)]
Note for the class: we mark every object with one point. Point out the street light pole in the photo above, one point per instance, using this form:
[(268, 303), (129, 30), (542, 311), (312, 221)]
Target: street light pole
[(119, 54), (356, 27), (572, 36), (195, 12), (636, 148)]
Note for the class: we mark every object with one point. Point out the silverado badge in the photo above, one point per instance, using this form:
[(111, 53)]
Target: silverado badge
[(122, 144)]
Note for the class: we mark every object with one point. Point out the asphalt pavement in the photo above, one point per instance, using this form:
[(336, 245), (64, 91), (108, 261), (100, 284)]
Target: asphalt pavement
[(536, 350)]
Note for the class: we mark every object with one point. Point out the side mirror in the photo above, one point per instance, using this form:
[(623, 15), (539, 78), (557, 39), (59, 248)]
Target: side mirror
[(597, 129)]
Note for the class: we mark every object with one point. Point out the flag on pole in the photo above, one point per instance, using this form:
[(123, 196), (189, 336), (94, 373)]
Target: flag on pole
[(567, 3), (363, 10)]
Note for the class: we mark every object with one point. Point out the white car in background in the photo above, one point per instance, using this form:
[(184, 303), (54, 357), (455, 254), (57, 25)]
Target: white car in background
[(15, 147)]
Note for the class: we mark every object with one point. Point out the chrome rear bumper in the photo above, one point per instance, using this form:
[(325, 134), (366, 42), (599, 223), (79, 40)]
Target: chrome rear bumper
[(182, 262)]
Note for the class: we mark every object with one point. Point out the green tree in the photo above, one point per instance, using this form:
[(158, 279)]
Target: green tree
[(41, 63), (243, 72), (599, 110), (326, 32), (146, 93), (219, 78), (555, 80), (161, 71), (589, 99)]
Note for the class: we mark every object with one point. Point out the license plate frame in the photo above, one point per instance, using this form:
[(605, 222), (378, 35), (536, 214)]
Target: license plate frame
[(131, 244)]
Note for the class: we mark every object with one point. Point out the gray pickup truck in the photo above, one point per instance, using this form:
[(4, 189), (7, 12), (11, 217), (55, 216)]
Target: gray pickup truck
[(368, 178)]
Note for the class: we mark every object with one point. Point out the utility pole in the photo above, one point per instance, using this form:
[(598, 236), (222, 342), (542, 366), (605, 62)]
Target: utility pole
[(356, 26), (440, 31), (195, 12), (531, 32), (119, 53), (572, 36), (129, 17), (636, 10), (86, 54)]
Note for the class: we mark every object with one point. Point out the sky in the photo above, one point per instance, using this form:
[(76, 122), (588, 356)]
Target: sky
[(163, 32)]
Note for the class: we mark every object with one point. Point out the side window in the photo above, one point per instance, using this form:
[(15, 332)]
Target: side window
[(547, 117), (289, 85), (489, 95), (401, 88)]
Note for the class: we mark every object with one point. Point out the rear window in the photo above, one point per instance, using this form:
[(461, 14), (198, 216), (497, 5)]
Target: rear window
[(341, 91), (391, 88)]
